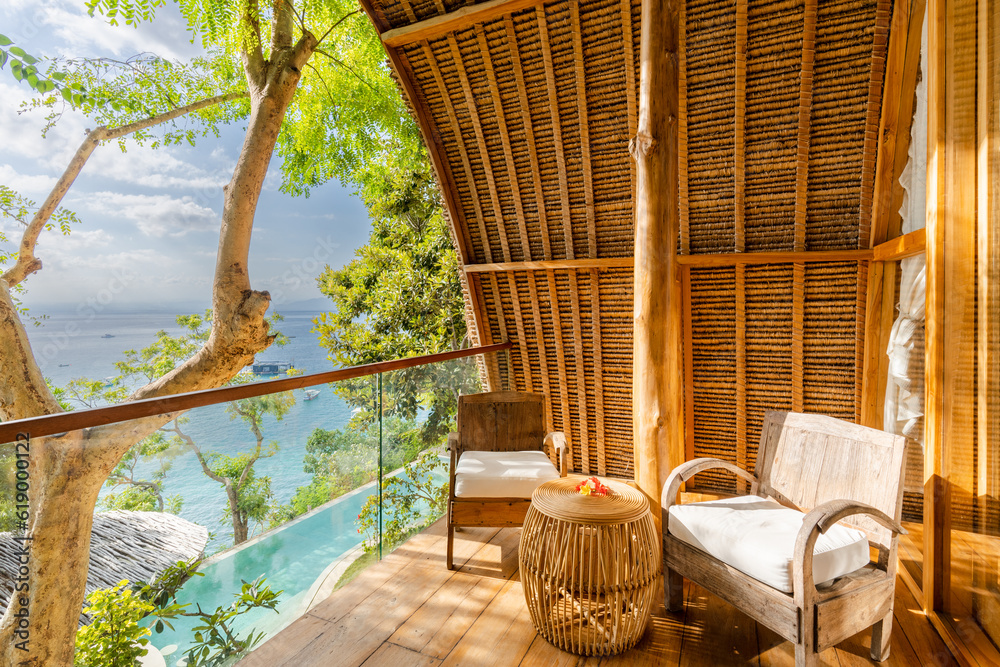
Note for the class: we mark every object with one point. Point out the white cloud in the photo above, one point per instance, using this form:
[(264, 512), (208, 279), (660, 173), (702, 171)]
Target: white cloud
[(35, 186), (159, 168), (156, 215), (80, 34)]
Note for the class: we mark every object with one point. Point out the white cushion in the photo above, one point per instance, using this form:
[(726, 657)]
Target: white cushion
[(502, 474), (757, 537)]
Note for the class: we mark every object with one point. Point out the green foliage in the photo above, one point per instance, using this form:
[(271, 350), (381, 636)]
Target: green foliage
[(20, 210), (409, 500), (24, 68), (114, 637), (401, 297), (214, 641)]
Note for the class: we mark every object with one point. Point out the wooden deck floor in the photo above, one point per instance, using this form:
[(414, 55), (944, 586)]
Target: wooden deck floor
[(409, 610)]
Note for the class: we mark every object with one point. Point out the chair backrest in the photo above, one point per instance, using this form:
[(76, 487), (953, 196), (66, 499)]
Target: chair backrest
[(807, 459), (501, 421)]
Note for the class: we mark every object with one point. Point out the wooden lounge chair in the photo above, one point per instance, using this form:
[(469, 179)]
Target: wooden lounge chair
[(497, 460), (832, 471)]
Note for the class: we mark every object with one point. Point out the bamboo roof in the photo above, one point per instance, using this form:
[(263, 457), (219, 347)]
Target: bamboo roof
[(528, 107), (137, 546)]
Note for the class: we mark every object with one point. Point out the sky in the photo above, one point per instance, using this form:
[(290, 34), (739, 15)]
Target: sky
[(150, 218)]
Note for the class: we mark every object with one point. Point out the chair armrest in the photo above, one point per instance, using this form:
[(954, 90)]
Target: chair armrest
[(819, 520), (556, 442), (689, 469), (452, 464), (453, 442)]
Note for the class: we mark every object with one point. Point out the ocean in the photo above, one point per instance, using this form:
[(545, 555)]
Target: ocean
[(69, 346)]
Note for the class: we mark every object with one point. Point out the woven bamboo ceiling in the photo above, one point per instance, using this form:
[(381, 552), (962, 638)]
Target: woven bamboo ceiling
[(528, 107)]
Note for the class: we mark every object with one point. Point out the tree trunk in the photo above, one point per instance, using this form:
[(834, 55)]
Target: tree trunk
[(67, 473), (240, 531)]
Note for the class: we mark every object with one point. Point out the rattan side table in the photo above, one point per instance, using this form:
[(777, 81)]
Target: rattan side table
[(589, 566)]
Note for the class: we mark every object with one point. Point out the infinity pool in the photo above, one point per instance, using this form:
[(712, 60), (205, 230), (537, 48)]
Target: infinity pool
[(292, 557)]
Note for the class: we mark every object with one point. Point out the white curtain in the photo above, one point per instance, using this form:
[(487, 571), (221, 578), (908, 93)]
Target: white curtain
[(904, 400)]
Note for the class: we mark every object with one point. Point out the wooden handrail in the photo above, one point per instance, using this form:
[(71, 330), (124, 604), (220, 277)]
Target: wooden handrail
[(62, 422)]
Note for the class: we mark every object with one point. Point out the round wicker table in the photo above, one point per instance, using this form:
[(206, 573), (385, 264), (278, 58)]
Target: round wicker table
[(589, 566)]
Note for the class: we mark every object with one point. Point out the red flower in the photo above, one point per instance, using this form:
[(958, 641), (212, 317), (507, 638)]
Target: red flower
[(592, 487)]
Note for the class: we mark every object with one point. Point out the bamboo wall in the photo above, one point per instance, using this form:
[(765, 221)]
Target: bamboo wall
[(528, 108)]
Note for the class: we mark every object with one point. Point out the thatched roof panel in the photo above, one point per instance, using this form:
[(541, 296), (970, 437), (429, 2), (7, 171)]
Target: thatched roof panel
[(528, 110)]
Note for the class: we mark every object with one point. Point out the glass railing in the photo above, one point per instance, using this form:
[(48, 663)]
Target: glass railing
[(297, 484)]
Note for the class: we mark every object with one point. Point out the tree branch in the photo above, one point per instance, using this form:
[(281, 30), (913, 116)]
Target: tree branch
[(27, 263), (334, 26), (189, 441), (347, 67)]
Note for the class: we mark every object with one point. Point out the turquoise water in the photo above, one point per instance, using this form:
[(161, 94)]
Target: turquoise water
[(73, 347)]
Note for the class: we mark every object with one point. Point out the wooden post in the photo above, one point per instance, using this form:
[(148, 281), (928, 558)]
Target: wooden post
[(657, 399)]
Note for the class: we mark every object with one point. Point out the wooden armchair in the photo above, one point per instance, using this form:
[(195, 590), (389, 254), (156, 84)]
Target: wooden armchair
[(832, 471), (497, 460)]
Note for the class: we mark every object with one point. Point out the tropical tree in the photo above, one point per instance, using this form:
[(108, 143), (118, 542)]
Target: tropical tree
[(306, 76), (249, 497), (401, 296)]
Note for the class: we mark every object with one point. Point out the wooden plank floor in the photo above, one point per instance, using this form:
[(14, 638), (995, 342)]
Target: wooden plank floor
[(409, 610)]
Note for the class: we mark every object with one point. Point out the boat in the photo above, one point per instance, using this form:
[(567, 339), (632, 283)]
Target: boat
[(63, 365), (311, 394), (271, 367), (107, 336)]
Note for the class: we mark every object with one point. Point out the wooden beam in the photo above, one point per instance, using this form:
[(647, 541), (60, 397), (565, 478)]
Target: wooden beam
[(958, 414), (902, 63), (876, 81), (657, 400), (937, 533), (465, 17), (988, 208), (552, 264), (783, 257), (78, 419), (901, 247)]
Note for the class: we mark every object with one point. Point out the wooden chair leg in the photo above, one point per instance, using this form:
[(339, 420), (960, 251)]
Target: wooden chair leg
[(673, 590), (805, 650), (451, 547), (880, 638)]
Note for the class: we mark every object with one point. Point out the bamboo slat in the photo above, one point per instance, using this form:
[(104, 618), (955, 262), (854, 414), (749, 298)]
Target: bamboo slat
[(581, 105), (879, 50), (683, 195), (445, 23), (557, 133), (595, 310), (739, 139), (741, 375), (805, 117), (557, 330)]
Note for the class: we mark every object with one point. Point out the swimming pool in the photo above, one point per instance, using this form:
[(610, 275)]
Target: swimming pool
[(292, 557)]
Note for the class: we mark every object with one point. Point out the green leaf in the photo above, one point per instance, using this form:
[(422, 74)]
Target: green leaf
[(67, 95), (5, 41), (18, 51)]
